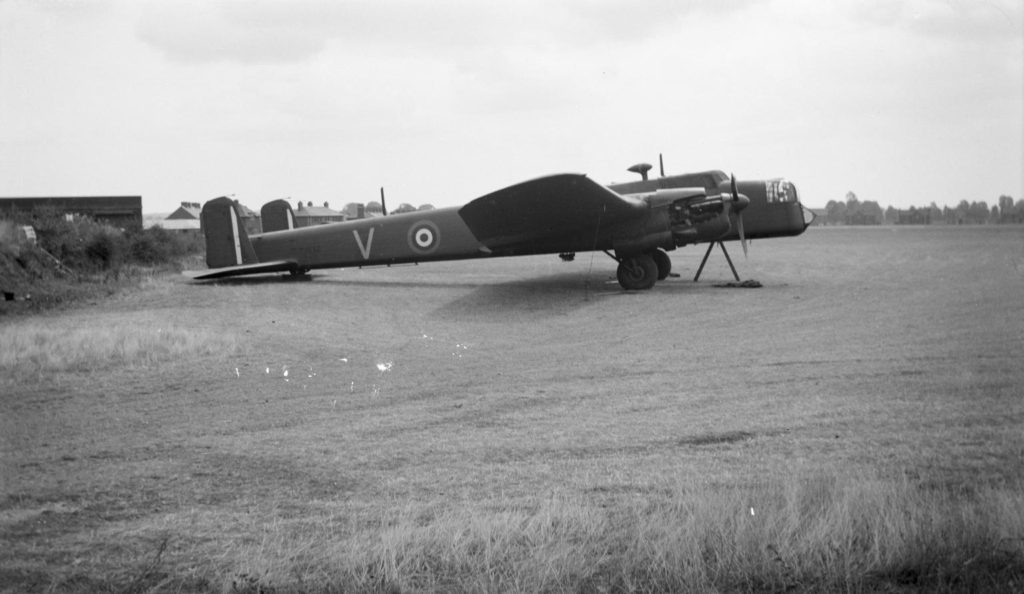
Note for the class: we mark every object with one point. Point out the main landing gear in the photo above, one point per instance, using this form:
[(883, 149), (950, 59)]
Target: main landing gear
[(640, 272), (637, 273)]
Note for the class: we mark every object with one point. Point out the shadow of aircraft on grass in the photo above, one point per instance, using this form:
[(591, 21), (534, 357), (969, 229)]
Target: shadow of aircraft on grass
[(532, 298)]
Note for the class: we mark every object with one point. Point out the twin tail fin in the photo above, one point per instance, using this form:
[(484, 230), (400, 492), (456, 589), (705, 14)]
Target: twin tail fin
[(277, 216), (227, 243)]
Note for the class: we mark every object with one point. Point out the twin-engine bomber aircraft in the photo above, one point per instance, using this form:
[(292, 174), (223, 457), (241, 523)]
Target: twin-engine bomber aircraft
[(634, 223)]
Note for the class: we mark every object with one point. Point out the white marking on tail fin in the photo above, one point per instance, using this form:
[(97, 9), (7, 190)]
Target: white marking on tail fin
[(234, 234)]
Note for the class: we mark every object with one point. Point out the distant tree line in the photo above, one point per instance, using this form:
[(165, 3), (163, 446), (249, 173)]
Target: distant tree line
[(854, 211)]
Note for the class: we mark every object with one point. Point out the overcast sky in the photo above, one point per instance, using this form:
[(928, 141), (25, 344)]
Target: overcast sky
[(904, 102)]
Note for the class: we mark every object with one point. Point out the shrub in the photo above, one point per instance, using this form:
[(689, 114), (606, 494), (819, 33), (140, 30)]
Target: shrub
[(152, 246), (105, 249), (78, 258), (80, 243), (157, 245), (85, 245)]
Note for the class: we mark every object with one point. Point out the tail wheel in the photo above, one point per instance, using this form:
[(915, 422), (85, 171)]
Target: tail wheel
[(638, 273), (663, 262)]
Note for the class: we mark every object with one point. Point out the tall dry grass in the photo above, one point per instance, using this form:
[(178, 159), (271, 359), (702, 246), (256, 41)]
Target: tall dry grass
[(35, 345), (833, 533)]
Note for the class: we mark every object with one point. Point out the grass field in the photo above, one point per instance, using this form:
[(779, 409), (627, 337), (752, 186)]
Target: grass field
[(523, 425)]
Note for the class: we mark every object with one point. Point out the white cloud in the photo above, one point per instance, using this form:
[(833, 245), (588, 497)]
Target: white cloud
[(199, 32), (984, 21)]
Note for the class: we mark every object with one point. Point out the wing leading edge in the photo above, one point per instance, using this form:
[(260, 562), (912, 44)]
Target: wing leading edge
[(551, 208)]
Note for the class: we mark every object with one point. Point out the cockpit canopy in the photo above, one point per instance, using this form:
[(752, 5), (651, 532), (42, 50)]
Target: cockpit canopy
[(780, 190)]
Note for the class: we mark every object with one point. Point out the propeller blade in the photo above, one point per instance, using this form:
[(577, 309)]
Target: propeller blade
[(743, 238), (737, 207)]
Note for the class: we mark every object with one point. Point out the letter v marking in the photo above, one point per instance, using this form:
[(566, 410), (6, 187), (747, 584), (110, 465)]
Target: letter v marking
[(364, 249)]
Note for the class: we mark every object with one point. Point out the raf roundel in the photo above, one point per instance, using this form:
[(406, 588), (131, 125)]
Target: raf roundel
[(424, 237)]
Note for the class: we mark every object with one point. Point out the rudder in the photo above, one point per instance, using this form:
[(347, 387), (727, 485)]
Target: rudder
[(227, 243), (277, 216)]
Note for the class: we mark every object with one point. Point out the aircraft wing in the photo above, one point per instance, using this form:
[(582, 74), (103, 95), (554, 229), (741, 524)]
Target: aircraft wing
[(260, 268), (546, 209)]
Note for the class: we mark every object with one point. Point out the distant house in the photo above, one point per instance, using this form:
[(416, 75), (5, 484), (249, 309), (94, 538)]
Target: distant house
[(354, 210), (820, 216), (308, 215), (187, 211), (124, 212), (357, 210), (188, 217), (914, 216), (250, 219), (185, 218), (863, 218)]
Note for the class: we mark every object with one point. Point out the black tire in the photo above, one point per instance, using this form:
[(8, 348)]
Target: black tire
[(638, 273), (664, 263)]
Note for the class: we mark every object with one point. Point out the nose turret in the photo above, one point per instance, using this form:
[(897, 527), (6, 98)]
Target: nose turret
[(774, 209)]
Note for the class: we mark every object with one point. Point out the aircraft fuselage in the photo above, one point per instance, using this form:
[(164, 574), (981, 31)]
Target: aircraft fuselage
[(419, 236), (564, 213)]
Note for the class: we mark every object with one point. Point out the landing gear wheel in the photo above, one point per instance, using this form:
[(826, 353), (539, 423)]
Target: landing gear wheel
[(299, 272), (637, 273), (663, 262)]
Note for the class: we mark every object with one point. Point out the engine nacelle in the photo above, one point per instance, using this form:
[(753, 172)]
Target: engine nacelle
[(625, 248), (663, 196), (654, 231), (710, 230)]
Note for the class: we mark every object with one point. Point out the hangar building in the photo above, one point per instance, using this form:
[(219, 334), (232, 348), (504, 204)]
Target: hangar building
[(124, 212)]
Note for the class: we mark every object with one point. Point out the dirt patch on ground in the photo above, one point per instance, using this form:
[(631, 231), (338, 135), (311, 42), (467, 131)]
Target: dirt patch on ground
[(717, 438)]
